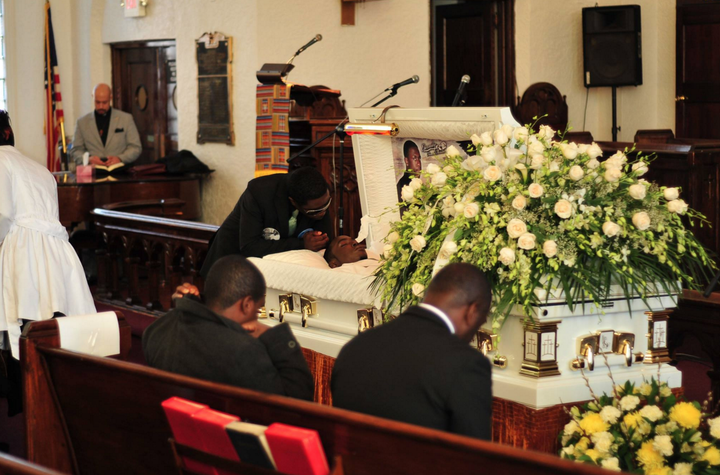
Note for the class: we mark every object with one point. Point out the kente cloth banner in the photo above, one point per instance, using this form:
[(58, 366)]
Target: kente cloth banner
[(272, 148), (53, 97)]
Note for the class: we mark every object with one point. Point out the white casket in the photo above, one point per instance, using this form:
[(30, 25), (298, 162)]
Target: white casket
[(536, 364)]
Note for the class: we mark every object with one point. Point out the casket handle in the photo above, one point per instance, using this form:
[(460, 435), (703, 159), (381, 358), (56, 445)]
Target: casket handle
[(624, 346), (590, 356)]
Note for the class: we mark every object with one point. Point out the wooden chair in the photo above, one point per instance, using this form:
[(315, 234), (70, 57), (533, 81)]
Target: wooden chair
[(542, 99), (109, 420), (43, 420)]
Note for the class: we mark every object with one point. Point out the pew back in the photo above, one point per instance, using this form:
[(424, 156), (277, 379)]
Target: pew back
[(115, 425)]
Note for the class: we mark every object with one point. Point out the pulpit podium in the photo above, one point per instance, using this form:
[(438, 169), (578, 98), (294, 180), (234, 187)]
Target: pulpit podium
[(292, 116)]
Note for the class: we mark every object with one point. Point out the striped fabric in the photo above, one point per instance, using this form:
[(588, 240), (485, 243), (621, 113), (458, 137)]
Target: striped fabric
[(53, 96), (272, 148)]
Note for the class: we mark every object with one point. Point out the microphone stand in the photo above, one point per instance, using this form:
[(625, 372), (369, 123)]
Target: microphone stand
[(393, 93)]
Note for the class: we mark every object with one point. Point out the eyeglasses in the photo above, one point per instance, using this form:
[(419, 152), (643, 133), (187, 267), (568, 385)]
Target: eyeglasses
[(315, 212)]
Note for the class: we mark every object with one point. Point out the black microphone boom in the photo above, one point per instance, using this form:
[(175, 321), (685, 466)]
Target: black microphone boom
[(317, 38), (412, 80), (461, 90)]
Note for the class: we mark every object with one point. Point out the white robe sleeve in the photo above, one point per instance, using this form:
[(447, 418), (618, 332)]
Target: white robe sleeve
[(7, 204)]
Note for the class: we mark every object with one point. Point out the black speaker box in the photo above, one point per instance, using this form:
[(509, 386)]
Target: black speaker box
[(612, 46)]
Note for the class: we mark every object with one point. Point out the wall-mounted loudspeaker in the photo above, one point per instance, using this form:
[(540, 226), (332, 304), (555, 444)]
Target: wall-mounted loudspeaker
[(612, 46)]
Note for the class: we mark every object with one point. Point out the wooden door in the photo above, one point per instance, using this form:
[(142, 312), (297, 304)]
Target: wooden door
[(143, 85), (474, 38), (697, 110)]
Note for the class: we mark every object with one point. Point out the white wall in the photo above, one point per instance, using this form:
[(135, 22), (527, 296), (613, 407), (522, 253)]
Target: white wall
[(548, 45), (389, 43)]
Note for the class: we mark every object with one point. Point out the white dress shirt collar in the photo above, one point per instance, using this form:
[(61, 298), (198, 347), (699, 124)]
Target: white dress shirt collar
[(440, 314)]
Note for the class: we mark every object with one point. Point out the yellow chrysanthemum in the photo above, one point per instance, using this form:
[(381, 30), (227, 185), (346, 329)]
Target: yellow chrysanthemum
[(659, 471), (593, 423), (582, 444), (649, 457), (712, 455), (685, 414), (593, 454), (631, 419)]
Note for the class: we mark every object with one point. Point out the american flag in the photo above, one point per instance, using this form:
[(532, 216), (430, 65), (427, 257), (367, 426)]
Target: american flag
[(53, 97)]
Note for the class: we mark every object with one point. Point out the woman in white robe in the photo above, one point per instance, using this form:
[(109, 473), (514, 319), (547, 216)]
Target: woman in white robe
[(40, 272)]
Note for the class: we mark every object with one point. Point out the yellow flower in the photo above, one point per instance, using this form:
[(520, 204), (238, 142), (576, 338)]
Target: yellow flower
[(593, 423), (593, 454), (631, 420), (659, 471), (685, 414), (582, 444), (649, 457), (712, 455)]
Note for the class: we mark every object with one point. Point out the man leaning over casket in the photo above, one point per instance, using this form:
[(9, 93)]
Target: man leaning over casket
[(276, 213)]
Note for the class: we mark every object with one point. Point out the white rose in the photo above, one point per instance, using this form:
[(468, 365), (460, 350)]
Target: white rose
[(683, 468), (415, 184), (637, 191), (613, 174), (489, 154), (526, 241), (475, 140), (492, 173), (471, 210), (513, 155), (459, 208), (452, 151), (500, 137), (537, 161), (554, 166), (677, 206), (610, 414), (516, 228), (610, 229), (592, 164), (439, 179), (536, 148), (433, 168), (714, 427), (582, 148), (564, 209), (418, 289), (628, 403), (473, 162), (393, 237), (417, 243), (486, 138), (640, 168), (546, 132), (594, 151), (641, 220), (387, 249), (663, 444), (519, 202), (671, 193), (520, 134), (507, 129), (569, 150), (550, 248), (611, 463), (407, 193), (536, 190), (507, 256), (619, 157), (576, 173), (447, 249), (652, 412)]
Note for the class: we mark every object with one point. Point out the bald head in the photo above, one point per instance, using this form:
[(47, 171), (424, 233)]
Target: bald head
[(101, 95), (463, 293)]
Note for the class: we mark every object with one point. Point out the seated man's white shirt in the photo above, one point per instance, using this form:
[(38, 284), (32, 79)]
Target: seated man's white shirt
[(40, 272), (307, 258)]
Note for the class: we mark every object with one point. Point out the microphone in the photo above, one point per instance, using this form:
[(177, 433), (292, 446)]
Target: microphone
[(317, 38), (411, 80), (461, 90)]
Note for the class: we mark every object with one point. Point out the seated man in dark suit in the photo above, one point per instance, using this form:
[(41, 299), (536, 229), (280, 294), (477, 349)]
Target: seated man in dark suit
[(276, 213), (419, 368), (223, 342)]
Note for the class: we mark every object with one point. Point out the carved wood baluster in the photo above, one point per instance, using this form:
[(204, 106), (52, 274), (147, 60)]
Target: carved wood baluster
[(153, 303), (132, 265)]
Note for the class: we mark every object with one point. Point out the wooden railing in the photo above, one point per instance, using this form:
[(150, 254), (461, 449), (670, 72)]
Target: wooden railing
[(141, 259)]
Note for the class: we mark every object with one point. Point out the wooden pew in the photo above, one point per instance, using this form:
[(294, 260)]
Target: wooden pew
[(10, 465), (42, 419), (111, 422)]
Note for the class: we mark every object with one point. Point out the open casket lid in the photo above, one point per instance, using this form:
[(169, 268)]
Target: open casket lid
[(379, 159)]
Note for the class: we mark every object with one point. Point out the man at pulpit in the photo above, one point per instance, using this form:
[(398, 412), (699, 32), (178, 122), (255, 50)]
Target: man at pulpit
[(419, 368), (276, 213)]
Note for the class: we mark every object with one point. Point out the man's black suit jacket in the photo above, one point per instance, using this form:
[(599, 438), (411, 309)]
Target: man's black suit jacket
[(258, 225), (414, 370)]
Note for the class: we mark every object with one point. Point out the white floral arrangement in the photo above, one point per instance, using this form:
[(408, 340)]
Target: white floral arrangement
[(541, 217), (643, 430)]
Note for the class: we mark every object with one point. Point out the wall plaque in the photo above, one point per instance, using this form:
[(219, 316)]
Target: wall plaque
[(214, 58)]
